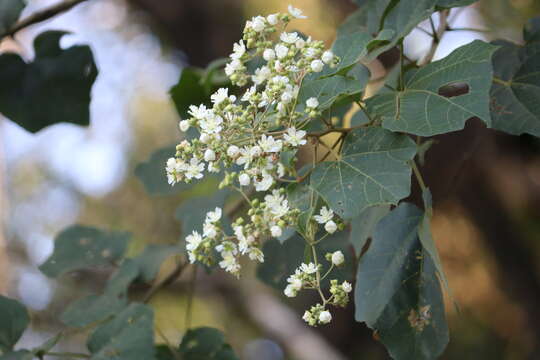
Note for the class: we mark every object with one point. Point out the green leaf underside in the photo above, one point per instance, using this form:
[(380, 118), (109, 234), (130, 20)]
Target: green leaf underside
[(205, 343), (9, 13), (515, 101), (128, 336), (153, 176), (13, 321), (54, 88), (420, 110), (373, 170), (397, 290), (282, 259), (80, 247)]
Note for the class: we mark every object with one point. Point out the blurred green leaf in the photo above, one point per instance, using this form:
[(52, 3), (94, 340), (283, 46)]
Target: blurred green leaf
[(447, 4), (18, 355), (150, 260), (371, 171), (54, 88), (128, 336), (424, 108), (10, 10), (13, 321), (515, 93), (205, 343), (397, 289), (80, 247)]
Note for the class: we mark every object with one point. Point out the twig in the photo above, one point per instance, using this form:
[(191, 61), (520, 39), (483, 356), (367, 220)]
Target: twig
[(40, 16), (437, 36), (166, 281)]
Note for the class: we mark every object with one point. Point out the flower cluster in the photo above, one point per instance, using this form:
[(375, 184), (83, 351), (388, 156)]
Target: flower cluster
[(245, 136)]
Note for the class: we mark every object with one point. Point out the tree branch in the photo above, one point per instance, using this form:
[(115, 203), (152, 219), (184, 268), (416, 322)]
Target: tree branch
[(40, 16)]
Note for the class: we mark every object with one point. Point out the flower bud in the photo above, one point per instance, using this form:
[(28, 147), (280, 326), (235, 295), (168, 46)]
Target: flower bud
[(232, 151), (244, 179), (325, 317), (317, 65), (338, 258), (183, 125), (276, 231), (330, 227), (209, 155)]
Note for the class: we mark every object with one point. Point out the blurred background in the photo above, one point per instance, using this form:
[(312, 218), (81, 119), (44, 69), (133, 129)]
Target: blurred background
[(486, 187)]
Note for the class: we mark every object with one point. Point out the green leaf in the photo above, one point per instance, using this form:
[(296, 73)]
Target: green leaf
[(328, 90), (363, 226), (54, 88), (80, 247), (205, 343), (373, 170), (397, 290), (516, 88), (163, 352), (18, 355), (128, 336), (150, 260), (95, 308), (10, 10), (153, 176), (282, 259), (13, 321), (531, 32), (447, 4), (423, 107)]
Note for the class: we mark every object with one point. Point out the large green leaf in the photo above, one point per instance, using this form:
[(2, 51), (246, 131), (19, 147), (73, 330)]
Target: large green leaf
[(13, 321), (515, 95), (9, 13), (54, 88), (447, 4), (18, 355), (373, 170), (363, 226), (153, 176), (150, 260), (128, 336), (205, 343), (424, 108), (397, 289), (80, 247)]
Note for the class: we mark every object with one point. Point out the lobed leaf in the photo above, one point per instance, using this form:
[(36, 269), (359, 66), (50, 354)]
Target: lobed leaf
[(373, 170), (14, 320), (424, 108), (54, 88)]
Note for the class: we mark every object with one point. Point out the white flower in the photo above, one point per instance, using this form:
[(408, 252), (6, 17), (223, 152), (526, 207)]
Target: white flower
[(325, 215), (265, 183), (327, 57), (317, 65), (330, 227), (289, 38), (205, 138), (261, 75), (233, 150), (286, 97), (325, 317), (338, 258), (244, 179), (256, 254), (312, 102), (296, 13), (249, 93), (310, 268), (281, 108), (245, 243), (280, 80), (310, 52), (289, 291), (193, 241), (183, 125), (295, 137), (213, 167), (239, 49), (219, 96), (214, 216), (211, 124), (209, 155), (307, 316), (281, 51), (272, 19), (258, 23), (270, 145), (276, 231), (269, 54), (300, 43), (247, 155), (295, 282), (346, 286), (198, 113), (229, 262), (274, 199), (209, 230), (233, 66), (281, 209), (194, 169)]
